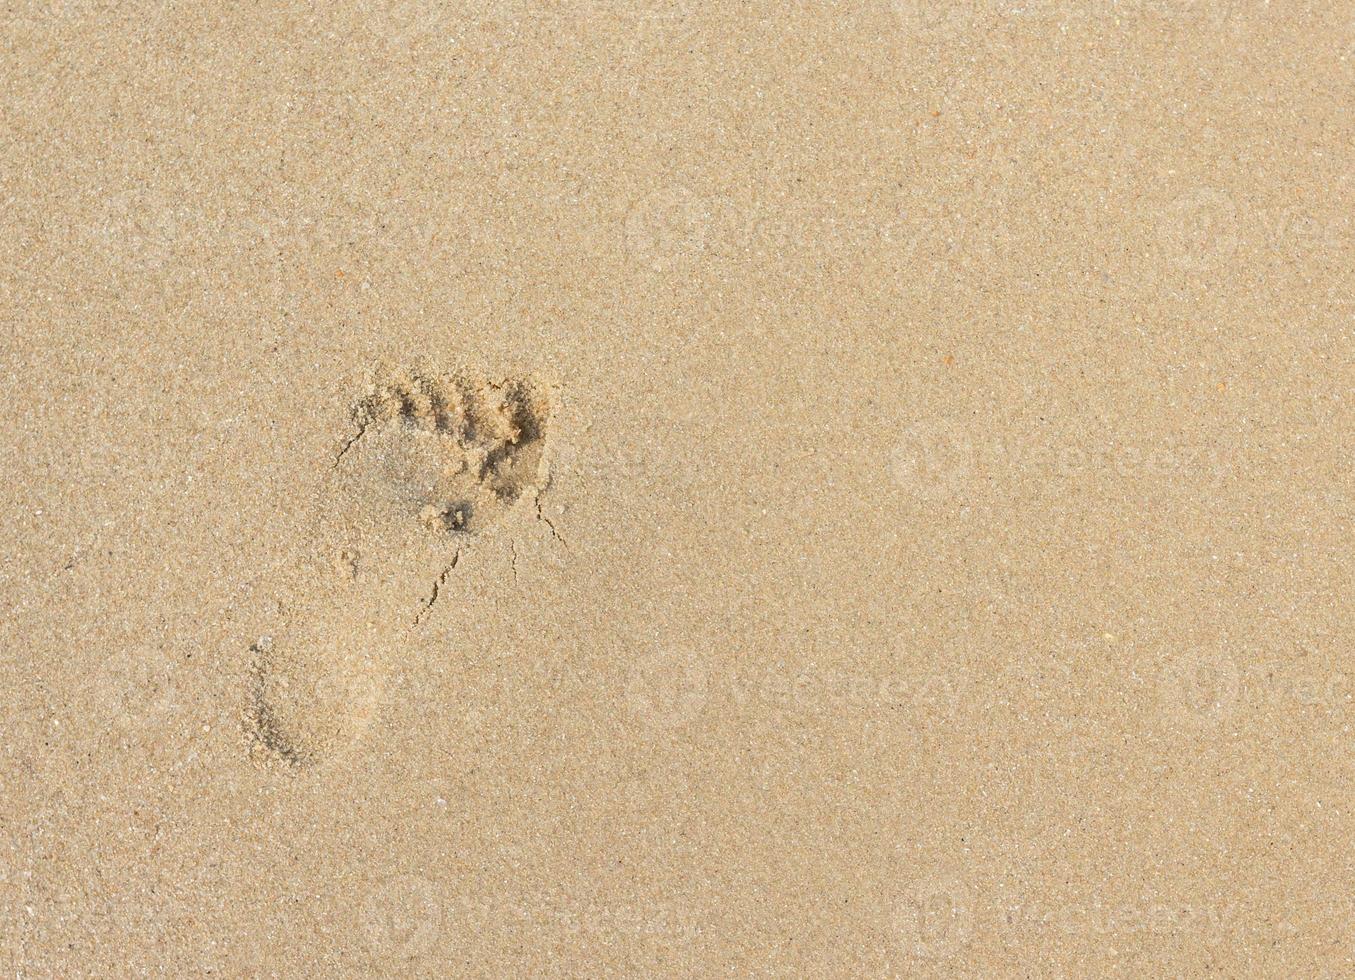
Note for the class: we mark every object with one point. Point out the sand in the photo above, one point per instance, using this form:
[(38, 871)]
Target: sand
[(601, 488)]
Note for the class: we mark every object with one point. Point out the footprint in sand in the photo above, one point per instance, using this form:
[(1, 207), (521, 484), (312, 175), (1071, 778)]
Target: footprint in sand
[(433, 460)]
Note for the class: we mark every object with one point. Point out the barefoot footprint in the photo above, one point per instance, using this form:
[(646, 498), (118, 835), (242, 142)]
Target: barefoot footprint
[(434, 460)]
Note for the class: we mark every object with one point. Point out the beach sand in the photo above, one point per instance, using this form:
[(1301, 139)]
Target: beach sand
[(602, 488)]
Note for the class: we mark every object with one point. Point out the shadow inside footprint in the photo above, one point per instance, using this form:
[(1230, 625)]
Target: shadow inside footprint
[(452, 451), (434, 460)]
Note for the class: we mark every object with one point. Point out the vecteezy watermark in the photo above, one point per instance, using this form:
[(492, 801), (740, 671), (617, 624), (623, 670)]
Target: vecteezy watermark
[(402, 23), (933, 460), (940, 917), (925, 696), (407, 22), (495, 697), (1200, 688), (1199, 229), (401, 917), (669, 227), (603, 457), (38, 14), (568, 915), (134, 689), (631, 10), (141, 229), (1110, 919), (667, 689), (935, 918), (938, 459), (675, 227), (1051, 15), (670, 691), (1204, 228), (938, 21), (349, 696), (1204, 689), (1340, 300)]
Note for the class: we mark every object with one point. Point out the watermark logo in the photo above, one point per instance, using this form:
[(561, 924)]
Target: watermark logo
[(401, 917), (1206, 689), (140, 230), (933, 460), (669, 228), (1341, 300), (1200, 229), (940, 917), (37, 14), (1200, 689), (928, 698), (603, 458), (348, 699), (134, 690), (1025, 920), (935, 919), (942, 20), (1204, 228), (562, 914), (934, 20), (667, 690), (402, 22), (675, 228), (635, 10), (939, 459)]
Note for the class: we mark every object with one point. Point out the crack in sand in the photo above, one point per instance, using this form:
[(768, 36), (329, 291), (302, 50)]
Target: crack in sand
[(438, 583)]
